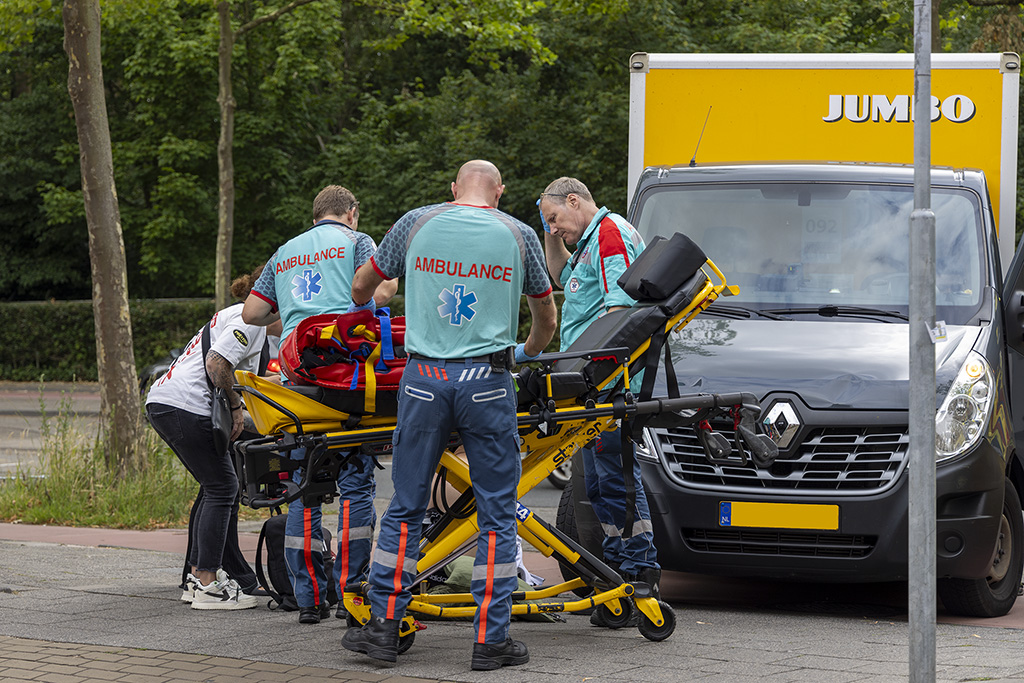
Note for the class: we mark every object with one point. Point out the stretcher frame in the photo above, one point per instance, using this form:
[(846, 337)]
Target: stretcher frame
[(551, 431)]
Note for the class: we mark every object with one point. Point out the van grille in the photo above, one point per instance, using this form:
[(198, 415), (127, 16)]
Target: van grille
[(780, 543), (855, 460)]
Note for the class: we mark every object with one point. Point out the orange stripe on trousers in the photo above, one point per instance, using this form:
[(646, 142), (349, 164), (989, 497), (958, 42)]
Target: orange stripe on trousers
[(481, 636), (402, 538), (307, 552), (343, 548)]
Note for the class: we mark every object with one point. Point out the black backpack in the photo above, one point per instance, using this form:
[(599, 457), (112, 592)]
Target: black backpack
[(280, 585)]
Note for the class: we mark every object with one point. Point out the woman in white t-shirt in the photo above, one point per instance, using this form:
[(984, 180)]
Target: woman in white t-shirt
[(179, 406)]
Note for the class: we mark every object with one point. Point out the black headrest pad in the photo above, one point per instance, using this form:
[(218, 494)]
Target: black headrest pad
[(662, 268)]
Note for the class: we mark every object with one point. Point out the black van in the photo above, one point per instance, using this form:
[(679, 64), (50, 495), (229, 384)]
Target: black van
[(819, 333)]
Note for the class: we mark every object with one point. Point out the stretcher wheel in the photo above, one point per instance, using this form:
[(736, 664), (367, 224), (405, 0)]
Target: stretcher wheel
[(612, 620), (650, 631), (406, 641)]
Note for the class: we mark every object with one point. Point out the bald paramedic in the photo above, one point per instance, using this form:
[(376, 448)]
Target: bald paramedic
[(466, 266)]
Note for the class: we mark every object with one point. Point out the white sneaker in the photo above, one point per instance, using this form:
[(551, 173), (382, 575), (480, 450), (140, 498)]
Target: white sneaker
[(189, 592), (222, 595), (223, 578)]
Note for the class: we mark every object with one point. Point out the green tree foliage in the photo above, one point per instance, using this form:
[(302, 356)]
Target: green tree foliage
[(43, 256), (387, 98)]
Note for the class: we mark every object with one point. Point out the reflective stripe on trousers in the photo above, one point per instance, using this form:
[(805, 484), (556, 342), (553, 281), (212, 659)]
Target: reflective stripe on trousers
[(352, 556), (602, 467), (357, 519), (433, 402)]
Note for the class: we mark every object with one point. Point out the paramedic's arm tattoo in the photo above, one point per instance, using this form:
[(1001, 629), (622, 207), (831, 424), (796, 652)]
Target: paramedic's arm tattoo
[(222, 374)]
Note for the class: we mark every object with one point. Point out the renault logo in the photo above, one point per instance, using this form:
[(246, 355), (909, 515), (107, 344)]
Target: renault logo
[(781, 424)]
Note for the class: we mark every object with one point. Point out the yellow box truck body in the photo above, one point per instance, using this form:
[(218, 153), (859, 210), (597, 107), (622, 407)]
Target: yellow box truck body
[(822, 107)]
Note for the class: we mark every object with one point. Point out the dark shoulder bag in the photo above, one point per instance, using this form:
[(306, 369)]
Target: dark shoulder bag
[(220, 413)]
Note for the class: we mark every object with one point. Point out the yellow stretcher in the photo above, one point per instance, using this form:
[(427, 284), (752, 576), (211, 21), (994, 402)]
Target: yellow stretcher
[(578, 395)]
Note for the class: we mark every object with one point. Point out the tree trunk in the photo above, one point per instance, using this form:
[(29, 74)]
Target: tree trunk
[(225, 160), (119, 391)]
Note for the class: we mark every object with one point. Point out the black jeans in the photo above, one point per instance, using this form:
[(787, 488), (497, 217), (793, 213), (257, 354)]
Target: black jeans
[(232, 561), (214, 517)]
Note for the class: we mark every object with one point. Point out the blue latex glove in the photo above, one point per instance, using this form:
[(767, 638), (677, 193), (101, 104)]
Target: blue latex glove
[(521, 356), (370, 305), (542, 221)]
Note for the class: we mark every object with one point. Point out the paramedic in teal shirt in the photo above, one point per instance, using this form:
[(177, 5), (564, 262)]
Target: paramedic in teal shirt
[(466, 265), (308, 275), (605, 246)]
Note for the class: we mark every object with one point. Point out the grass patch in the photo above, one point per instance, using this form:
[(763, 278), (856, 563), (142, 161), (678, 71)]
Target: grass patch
[(74, 486)]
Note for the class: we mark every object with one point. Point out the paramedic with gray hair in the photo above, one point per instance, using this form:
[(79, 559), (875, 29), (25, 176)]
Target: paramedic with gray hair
[(605, 246)]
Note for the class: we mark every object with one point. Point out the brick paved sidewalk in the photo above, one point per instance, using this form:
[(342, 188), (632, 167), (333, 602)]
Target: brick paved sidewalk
[(40, 660)]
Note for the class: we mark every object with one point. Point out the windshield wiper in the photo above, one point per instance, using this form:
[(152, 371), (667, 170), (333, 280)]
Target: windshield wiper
[(741, 312), (845, 311)]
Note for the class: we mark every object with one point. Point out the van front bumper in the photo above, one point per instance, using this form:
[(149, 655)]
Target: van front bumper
[(871, 543)]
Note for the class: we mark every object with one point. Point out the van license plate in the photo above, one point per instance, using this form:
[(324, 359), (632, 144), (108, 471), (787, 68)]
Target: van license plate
[(778, 515)]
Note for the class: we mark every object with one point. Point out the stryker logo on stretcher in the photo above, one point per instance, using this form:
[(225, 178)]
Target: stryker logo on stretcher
[(310, 259), (458, 269), (875, 108)]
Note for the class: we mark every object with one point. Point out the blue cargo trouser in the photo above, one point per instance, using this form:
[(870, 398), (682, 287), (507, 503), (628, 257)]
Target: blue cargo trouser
[(435, 398), (303, 541), (602, 467)]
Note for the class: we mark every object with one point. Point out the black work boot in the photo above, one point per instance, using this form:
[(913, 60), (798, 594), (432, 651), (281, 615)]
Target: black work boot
[(309, 615), (488, 657), (377, 639), (313, 615), (652, 577)]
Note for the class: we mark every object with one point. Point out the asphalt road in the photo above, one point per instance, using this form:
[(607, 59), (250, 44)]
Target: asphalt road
[(26, 408)]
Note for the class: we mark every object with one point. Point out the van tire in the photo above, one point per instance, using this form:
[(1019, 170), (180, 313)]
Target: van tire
[(565, 521), (990, 597)]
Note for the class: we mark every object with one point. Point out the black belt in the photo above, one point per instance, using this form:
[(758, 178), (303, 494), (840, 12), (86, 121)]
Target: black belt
[(499, 360), (475, 359)]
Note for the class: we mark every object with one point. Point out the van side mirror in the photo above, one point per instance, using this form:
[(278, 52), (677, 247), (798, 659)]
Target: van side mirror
[(1013, 318)]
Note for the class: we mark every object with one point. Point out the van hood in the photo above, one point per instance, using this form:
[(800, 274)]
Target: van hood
[(829, 364)]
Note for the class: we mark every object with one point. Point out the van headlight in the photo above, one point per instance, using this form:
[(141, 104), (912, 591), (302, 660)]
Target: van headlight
[(964, 414), (646, 450)]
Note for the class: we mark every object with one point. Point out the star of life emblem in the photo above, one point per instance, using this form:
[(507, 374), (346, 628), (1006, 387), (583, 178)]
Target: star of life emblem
[(458, 304), (574, 285), (307, 285)]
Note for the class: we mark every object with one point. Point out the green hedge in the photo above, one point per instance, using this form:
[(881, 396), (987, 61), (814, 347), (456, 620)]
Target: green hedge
[(55, 340)]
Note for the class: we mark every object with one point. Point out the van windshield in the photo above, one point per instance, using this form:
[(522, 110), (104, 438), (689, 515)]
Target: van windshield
[(812, 245)]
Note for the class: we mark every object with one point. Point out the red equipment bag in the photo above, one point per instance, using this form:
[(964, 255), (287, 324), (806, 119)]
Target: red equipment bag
[(361, 354)]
